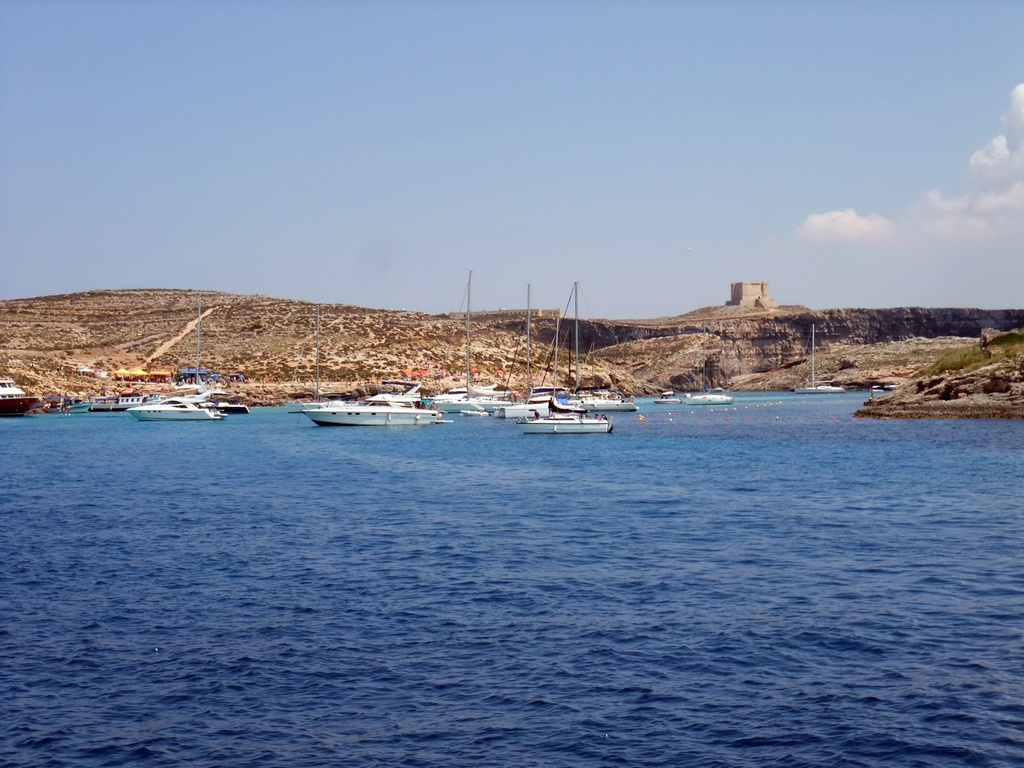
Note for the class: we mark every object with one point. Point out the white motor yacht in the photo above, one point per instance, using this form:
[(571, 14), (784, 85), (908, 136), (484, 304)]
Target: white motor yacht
[(362, 413), (175, 409)]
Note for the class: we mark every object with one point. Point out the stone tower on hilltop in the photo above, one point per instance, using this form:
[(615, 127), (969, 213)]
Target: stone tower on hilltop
[(753, 295)]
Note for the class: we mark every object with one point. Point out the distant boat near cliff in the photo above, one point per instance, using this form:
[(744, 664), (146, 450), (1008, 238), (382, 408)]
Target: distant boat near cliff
[(816, 387), (13, 399)]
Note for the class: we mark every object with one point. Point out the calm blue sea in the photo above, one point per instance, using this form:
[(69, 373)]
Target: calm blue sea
[(780, 584)]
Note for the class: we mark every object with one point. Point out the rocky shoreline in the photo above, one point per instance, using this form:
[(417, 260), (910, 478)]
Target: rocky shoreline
[(987, 384)]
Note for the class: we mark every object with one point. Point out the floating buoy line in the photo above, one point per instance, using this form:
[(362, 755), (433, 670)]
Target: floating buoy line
[(702, 412)]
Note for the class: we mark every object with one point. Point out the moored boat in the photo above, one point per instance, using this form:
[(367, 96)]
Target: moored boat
[(363, 413), (667, 398), (816, 387), (605, 400), (708, 398), (564, 420), (14, 401), (175, 409)]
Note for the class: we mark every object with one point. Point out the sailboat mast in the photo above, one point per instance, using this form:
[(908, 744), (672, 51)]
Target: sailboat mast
[(317, 398), (813, 377), (576, 343), (558, 343), (703, 358), (469, 286), (199, 326), (529, 379)]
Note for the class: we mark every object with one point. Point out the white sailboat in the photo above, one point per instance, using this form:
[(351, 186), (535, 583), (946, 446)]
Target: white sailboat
[(470, 398), (564, 419), (815, 388), (600, 399), (706, 397)]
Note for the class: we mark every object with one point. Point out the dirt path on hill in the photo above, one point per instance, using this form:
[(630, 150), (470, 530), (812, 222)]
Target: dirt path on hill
[(166, 346)]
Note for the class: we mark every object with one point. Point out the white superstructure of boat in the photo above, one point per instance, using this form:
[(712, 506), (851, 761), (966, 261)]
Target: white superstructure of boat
[(174, 409), (124, 401), (668, 398), (13, 399), (457, 399)]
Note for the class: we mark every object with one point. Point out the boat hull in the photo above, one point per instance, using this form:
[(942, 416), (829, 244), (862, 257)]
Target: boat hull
[(18, 406), (607, 406), (371, 417), (823, 389), (553, 426), (709, 400)]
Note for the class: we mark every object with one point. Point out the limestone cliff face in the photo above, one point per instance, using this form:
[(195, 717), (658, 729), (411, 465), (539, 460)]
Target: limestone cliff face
[(738, 345)]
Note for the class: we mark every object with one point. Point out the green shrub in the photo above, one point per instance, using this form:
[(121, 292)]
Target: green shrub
[(1011, 339), (955, 360)]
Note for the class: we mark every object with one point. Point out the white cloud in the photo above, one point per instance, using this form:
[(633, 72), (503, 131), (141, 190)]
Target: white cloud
[(1000, 163), (845, 226), (991, 210)]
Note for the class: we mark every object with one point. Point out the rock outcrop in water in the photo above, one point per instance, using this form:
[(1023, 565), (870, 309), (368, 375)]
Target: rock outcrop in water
[(985, 380)]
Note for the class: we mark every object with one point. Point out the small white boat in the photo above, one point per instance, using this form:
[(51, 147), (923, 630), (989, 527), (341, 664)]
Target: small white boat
[(371, 414), (667, 398), (708, 398), (605, 400), (174, 409), (564, 423), (564, 420), (820, 389)]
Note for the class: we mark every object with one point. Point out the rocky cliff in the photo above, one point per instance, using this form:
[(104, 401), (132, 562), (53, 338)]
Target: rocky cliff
[(272, 342), (758, 349)]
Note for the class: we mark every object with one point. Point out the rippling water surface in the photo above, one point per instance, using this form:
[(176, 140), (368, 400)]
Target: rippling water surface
[(778, 584)]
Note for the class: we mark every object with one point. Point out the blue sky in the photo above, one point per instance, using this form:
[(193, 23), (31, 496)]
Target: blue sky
[(853, 154)]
